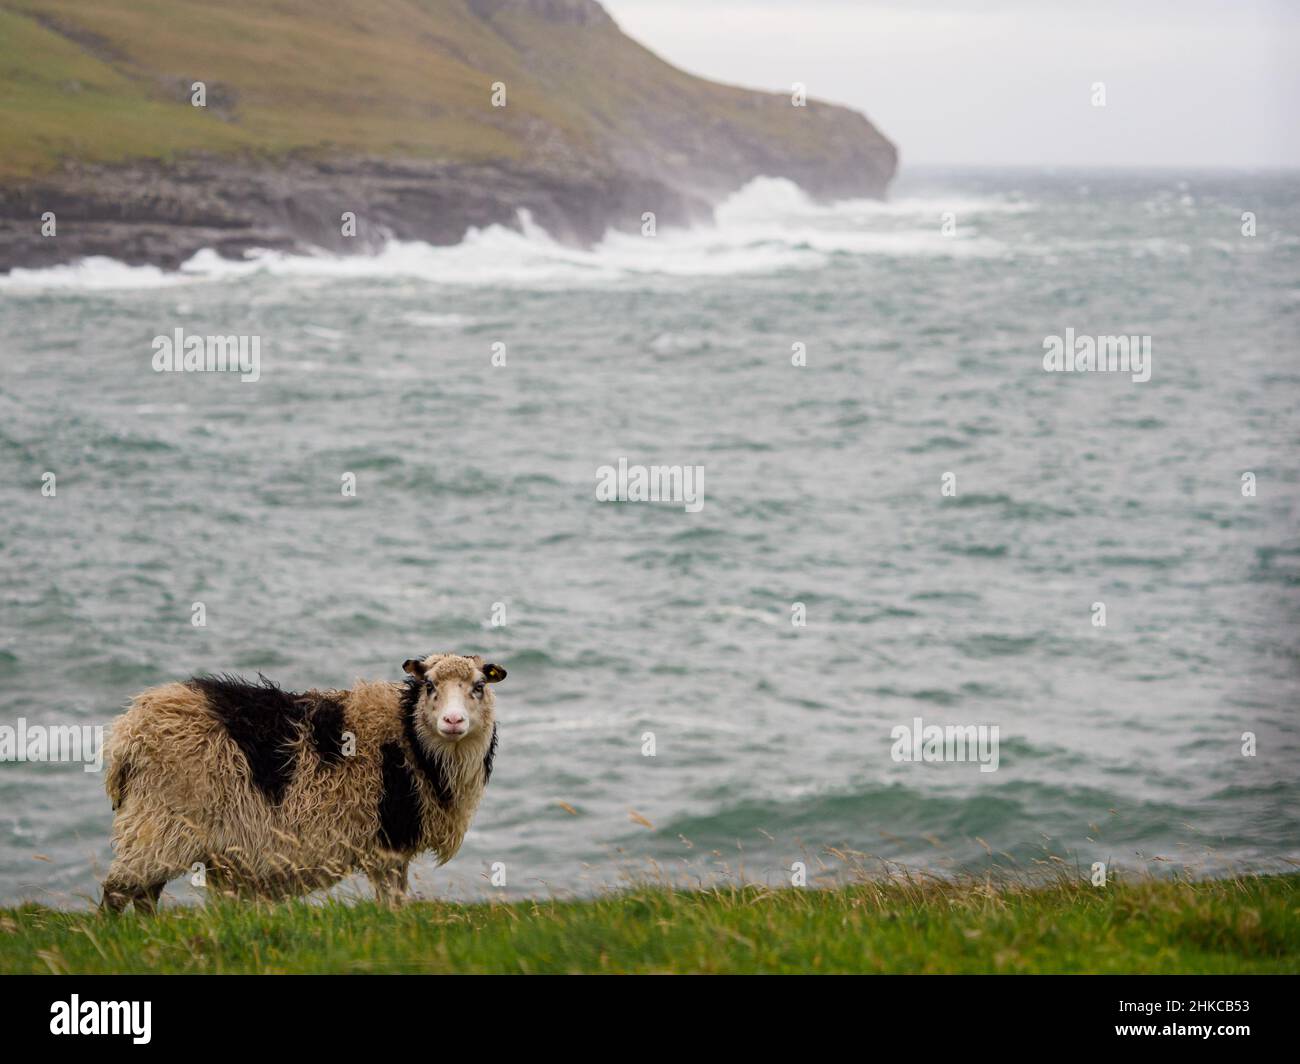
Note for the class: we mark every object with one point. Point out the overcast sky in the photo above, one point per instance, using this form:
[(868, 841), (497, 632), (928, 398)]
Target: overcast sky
[(1188, 82)]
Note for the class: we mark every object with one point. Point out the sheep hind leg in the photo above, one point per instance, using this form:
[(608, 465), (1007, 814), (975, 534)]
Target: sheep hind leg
[(389, 882), (138, 874), (120, 887), (116, 894), (146, 901), (152, 845)]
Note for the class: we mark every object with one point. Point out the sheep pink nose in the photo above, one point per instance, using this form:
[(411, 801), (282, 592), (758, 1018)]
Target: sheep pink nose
[(453, 720)]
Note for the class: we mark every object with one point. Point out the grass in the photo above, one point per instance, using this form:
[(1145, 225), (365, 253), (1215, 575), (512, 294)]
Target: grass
[(1241, 925), (110, 81)]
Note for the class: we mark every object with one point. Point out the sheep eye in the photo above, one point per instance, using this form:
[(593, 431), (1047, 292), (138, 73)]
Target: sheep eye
[(428, 686), (478, 689)]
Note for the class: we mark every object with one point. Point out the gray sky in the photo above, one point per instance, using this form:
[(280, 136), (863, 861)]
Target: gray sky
[(1188, 82)]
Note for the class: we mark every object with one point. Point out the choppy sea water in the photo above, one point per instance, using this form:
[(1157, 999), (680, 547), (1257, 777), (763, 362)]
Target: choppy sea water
[(475, 486)]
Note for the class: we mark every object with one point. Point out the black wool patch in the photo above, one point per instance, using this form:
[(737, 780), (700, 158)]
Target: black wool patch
[(264, 722), (490, 757), (400, 820), (326, 724)]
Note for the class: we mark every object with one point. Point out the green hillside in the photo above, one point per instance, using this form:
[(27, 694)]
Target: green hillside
[(107, 80)]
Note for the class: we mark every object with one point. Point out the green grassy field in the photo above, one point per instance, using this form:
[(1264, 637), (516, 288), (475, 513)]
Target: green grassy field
[(1243, 925)]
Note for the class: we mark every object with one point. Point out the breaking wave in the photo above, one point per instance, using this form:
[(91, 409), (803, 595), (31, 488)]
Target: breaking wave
[(768, 226)]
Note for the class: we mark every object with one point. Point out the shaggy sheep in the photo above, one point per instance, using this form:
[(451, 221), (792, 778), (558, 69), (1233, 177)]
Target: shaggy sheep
[(279, 794)]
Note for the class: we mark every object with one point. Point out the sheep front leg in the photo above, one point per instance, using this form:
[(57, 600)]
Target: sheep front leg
[(389, 882)]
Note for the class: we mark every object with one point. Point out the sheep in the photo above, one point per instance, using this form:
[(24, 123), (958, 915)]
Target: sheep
[(277, 794)]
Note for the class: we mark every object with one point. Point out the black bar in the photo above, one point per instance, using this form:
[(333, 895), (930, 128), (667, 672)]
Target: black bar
[(333, 1013)]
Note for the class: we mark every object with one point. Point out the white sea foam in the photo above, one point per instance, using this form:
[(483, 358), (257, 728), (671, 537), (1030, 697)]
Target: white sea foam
[(91, 274), (769, 226), (438, 321)]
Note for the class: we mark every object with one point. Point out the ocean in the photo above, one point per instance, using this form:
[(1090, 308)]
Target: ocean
[(904, 516)]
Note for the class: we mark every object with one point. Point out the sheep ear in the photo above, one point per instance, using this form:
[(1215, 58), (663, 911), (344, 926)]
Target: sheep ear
[(493, 673), (414, 666)]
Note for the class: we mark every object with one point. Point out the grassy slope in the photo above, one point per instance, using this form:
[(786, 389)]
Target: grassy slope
[(303, 74), (1242, 925), (58, 100), (388, 77)]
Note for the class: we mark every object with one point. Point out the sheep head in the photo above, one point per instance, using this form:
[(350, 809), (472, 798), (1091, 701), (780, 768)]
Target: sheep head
[(455, 699)]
